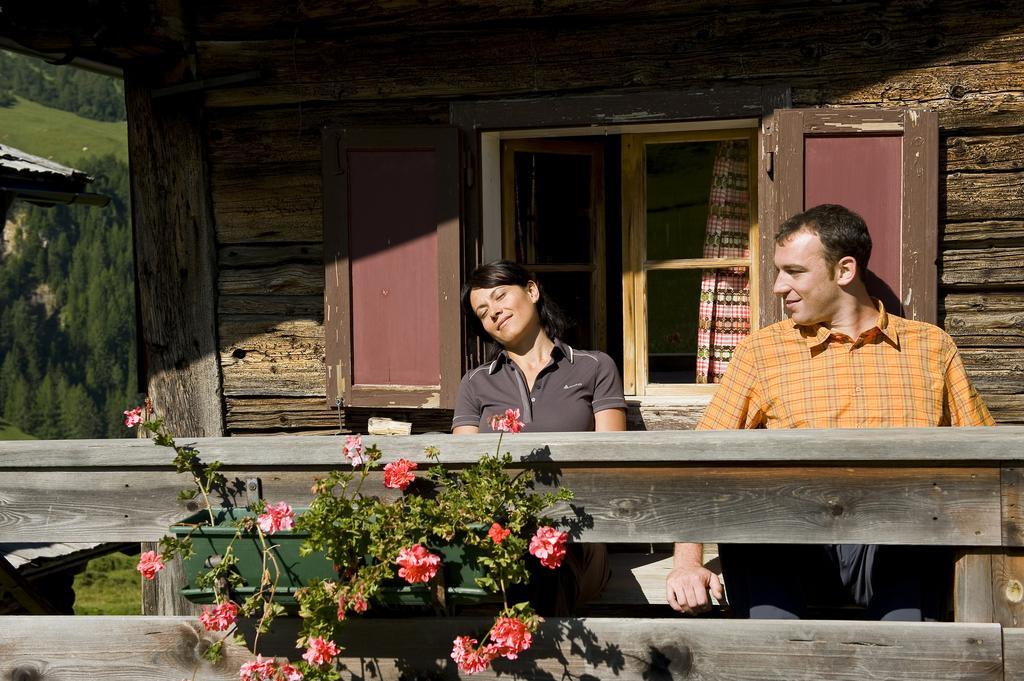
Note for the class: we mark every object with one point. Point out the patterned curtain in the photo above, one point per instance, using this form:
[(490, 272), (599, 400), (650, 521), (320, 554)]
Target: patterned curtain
[(724, 315)]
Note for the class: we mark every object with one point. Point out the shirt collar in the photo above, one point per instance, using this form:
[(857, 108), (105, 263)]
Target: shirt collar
[(560, 350), (817, 334)]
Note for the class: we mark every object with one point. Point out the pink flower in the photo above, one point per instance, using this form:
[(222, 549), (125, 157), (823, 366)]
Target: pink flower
[(417, 564), (510, 637), (133, 417), (267, 669), (260, 669), (320, 651), (498, 533), (548, 544), (348, 602), (397, 474), (353, 449), (150, 564), (289, 673), (509, 423), (276, 518), (219, 618), (469, 659)]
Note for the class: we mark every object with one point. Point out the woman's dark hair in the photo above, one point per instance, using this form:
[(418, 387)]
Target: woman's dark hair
[(507, 273)]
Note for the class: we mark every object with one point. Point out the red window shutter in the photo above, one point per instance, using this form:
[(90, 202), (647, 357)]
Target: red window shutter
[(883, 164), (391, 256)]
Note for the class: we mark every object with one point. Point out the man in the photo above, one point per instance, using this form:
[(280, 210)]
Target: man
[(840, 361)]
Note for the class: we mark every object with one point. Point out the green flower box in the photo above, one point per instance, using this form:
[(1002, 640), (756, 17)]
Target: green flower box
[(459, 571)]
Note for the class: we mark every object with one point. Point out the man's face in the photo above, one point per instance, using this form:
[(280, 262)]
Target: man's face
[(807, 284)]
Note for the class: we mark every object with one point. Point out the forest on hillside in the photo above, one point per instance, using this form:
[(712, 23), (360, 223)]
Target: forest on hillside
[(67, 333), (89, 95)]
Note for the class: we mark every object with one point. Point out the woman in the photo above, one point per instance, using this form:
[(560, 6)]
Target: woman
[(555, 387)]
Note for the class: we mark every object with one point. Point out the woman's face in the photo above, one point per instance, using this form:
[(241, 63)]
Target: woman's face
[(507, 313)]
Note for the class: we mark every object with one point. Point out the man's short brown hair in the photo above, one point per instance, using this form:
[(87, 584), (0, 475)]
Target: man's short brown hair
[(842, 233)]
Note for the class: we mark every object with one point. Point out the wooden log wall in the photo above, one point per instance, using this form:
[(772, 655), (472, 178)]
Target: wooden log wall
[(403, 63)]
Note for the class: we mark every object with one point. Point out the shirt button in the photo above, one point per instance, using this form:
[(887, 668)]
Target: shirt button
[(533, 399)]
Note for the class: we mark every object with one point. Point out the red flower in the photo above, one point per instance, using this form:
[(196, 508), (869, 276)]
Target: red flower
[(276, 518), (150, 564), (397, 474), (507, 423), (548, 544), (510, 637), (469, 659), (498, 533), (219, 618), (133, 417), (320, 651), (417, 564)]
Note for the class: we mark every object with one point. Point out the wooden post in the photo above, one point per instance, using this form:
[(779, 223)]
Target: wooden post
[(175, 265), (174, 255)]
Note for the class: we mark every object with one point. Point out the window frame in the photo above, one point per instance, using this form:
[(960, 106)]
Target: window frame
[(596, 267), (635, 265)]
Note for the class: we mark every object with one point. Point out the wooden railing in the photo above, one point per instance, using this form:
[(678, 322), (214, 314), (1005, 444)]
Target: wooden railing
[(953, 487)]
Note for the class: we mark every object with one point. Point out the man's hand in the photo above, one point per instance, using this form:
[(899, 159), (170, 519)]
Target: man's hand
[(689, 582), (688, 586)]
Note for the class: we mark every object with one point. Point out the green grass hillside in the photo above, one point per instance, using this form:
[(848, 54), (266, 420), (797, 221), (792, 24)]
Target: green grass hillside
[(9, 431), (58, 135)]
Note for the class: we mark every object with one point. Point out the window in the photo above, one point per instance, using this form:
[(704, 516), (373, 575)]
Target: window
[(689, 218), (553, 224), (681, 215)]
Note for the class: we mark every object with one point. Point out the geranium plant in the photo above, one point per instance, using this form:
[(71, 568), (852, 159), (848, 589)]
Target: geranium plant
[(379, 532)]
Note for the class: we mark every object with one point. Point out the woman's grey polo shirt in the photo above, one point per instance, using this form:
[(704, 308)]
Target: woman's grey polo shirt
[(574, 386)]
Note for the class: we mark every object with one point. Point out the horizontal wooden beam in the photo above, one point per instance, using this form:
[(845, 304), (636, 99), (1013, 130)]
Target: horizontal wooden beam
[(66, 648), (895, 446), (958, 506)]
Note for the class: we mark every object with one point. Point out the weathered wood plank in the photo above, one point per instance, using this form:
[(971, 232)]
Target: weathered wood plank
[(984, 152), (972, 587), (966, 96), (291, 279), (982, 267), (996, 370), (884, 446), (278, 306), (292, 134), (1013, 653), (928, 505), (168, 648), (985, 319), (984, 233), (252, 256), (843, 46), (236, 21), (272, 356), (705, 649), (174, 257), (1006, 409), (1008, 588), (116, 648), (984, 196), (277, 203), (299, 414)]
